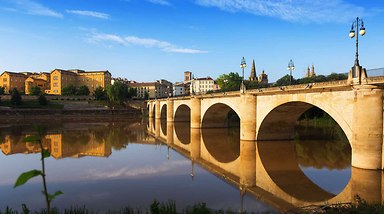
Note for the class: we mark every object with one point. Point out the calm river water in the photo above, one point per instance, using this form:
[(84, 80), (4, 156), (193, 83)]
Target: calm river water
[(109, 165)]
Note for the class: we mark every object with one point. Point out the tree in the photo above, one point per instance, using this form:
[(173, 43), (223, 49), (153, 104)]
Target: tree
[(284, 81), (117, 92), (69, 90), (132, 92), (99, 93), (15, 97), (42, 100), (35, 90), (83, 90), (146, 96), (2, 90), (229, 82), (334, 77)]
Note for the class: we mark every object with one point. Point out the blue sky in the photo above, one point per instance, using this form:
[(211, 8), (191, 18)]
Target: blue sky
[(145, 40)]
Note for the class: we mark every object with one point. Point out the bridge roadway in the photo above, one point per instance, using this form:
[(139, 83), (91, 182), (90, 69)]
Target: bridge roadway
[(270, 113), (268, 171)]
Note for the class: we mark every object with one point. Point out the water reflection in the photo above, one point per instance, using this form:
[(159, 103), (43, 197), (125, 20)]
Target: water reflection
[(183, 132), (73, 140), (297, 173), (284, 174), (222, 143)]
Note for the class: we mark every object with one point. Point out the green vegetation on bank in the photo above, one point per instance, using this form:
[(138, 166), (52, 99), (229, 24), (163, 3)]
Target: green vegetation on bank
[(39, 103), (232, 81), (155, 208)]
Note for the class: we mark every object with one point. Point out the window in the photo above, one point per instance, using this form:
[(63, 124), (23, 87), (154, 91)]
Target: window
[(5, 79), (55, 77), (55, 84)]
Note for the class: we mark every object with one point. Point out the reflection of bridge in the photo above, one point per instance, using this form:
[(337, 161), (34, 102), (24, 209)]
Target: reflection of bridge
[(267, 170), (270, 114)]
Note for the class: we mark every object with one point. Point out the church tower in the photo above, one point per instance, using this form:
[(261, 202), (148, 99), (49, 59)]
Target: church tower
[(253, 76), (308, 74), (313, 71)]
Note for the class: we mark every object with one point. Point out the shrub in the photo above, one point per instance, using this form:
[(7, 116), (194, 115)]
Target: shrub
[(42, 100), (15, 97)]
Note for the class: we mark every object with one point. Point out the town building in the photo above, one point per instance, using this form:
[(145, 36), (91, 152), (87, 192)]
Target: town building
[(41, 80), (187, 76), (178, 89), (10, 80), (54, 82), (159, 89), (202, 85), (64, 78)]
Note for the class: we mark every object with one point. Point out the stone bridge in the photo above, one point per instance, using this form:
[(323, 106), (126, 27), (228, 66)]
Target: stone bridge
[(270, 113)]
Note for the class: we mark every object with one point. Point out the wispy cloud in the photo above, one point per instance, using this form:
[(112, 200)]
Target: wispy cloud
[(131, 172), (89, 13), (161, 2), (145, 42), (294, 11), (34, 8)]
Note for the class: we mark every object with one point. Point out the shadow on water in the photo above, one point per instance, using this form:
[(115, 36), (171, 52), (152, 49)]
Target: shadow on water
[(222, 143), (183, 132)]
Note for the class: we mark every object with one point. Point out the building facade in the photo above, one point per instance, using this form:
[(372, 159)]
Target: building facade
[(202, 85), (11, 80), (179, 89), (41, 80), (64, 78), (159, 89)]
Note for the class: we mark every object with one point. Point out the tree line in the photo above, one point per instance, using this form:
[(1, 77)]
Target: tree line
[(232, 81), (115, 94)]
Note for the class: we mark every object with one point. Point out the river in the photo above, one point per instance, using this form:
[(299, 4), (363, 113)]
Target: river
[(105, 165)]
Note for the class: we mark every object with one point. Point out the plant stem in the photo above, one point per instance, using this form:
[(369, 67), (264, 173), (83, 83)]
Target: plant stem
[(43, 176)]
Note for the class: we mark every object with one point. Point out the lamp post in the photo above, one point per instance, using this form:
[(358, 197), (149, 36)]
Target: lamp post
[(291, 67), (242, 65), (225, 85), (359, 25)]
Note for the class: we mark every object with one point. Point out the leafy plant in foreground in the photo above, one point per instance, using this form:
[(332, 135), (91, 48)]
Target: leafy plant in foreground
[(26, 176)]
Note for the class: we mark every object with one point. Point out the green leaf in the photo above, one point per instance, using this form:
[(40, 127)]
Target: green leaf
[(24, 177), (46, 154), (57, 193), (31, 139)]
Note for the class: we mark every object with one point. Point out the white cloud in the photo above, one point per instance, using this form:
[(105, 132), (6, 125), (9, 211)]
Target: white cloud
[(131, 172), (145, 42), (295, 11), (34, 8), (161, 2), (89, 13)]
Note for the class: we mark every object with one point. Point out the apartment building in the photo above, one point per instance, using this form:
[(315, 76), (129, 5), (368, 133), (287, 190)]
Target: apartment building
[(202, 85), (92, 79), (10, 80), (159, 89)]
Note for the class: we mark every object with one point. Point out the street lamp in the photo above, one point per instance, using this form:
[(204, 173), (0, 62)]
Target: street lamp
[(225, 85), (359, 23), (243, 65), (291, 67)]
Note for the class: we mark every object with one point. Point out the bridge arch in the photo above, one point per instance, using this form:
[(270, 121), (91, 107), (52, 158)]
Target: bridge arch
[(182, 113), (279, 122), (163, 111), (220, 115)]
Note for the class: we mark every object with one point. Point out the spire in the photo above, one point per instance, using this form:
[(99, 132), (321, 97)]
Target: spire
[(308, 74), (313, 71), (253, 76)]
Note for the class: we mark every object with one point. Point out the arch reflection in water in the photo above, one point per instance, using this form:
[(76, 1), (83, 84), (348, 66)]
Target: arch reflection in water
[(222, 143), (271, 172)]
